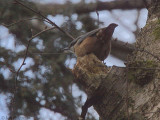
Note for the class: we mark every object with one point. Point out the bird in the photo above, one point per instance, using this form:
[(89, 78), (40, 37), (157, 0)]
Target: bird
[(97, 41)]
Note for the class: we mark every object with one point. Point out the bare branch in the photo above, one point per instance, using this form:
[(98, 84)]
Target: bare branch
[(52, 23), (146, 68), (97, 16), (81, 8), (8, 66), (121, 49), (127, 87), (47, 53), (22, 21), (23, 63), (117, 4), (142, 50)]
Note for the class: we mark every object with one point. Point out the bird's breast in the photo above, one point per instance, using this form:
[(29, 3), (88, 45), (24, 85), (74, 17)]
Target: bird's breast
[(98, 47), (103, 51)]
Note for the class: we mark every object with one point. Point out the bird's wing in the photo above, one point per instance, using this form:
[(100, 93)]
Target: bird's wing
[(72, 43), (80, 39), (83, 37)]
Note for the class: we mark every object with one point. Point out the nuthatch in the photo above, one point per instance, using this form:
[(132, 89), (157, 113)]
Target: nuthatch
[(97, 41)]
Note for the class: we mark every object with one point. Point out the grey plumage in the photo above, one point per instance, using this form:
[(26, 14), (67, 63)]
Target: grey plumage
[(79, 40)]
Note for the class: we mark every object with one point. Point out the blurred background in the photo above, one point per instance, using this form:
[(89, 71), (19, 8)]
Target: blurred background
[(46, 88)]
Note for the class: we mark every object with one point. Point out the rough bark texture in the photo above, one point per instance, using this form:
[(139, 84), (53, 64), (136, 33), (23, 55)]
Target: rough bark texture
[(92, 73), (133, 89)]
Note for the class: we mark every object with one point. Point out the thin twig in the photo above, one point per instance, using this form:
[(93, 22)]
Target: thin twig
[(9, 25), (25, 56), (23, 63), (142, 50), (52, 23), (147, 68), (8, 66), (97, 16), (48, 53), (127, 101)]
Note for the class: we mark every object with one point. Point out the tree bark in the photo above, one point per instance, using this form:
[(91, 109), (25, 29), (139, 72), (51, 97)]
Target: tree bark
[(131, 92)]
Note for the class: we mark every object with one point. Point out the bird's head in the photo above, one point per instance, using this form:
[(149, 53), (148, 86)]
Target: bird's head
[(112, 26), (106, 31)]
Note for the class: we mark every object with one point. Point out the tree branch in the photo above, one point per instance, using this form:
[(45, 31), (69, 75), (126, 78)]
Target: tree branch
[(81, 8), (52, 23), (22, 21), (25, 56), (121, 49), (17, 72), (117, 4)]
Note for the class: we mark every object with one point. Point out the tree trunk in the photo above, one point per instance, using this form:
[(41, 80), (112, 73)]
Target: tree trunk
[(131, 92)]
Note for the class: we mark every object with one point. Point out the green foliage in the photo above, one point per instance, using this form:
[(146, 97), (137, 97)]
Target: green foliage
[(141, 72), (136, 116), (156, 31)]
